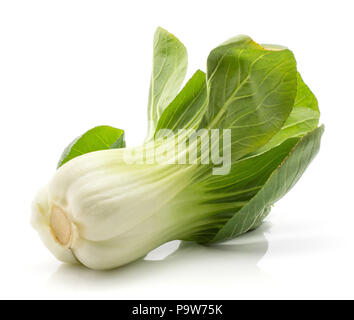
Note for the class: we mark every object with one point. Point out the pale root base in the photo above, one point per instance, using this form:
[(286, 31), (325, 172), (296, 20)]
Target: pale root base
[(60, 226)]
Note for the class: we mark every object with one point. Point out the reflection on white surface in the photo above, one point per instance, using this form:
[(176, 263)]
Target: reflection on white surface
[(299, 256), (174, 261)]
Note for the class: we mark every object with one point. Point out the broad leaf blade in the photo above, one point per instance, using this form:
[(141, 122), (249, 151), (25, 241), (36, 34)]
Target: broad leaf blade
[(187, 109), (278, 184), (169, 70), (251, 91), (303, 118), (95, 139)]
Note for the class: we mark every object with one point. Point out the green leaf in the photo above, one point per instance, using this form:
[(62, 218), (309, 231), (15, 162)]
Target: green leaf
[(120, 143), (225, 195), (277, 185), (251, 91), (305, 98), (169, 70), (98, 138), (303, 118), (187, 109)]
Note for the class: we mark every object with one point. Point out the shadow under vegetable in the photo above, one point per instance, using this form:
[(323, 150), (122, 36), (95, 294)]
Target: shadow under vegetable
[(184, 260)]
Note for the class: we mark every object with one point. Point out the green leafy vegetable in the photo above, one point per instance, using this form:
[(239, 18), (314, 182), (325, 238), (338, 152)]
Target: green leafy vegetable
[(219, 153)]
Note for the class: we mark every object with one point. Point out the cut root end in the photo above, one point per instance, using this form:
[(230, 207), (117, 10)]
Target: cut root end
[(61, 226)]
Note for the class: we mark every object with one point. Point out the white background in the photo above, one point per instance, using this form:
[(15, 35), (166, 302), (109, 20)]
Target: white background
[(66, 66)]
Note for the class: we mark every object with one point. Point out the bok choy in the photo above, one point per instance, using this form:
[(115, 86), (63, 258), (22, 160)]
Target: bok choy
[(218, 154)]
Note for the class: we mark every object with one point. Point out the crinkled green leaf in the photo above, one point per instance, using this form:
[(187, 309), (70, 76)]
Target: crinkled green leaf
[(251, 91), (303, 118), (95, 139), (169, 70)]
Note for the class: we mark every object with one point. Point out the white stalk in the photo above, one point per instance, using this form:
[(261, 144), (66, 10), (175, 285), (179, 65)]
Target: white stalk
[(105, 213)]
